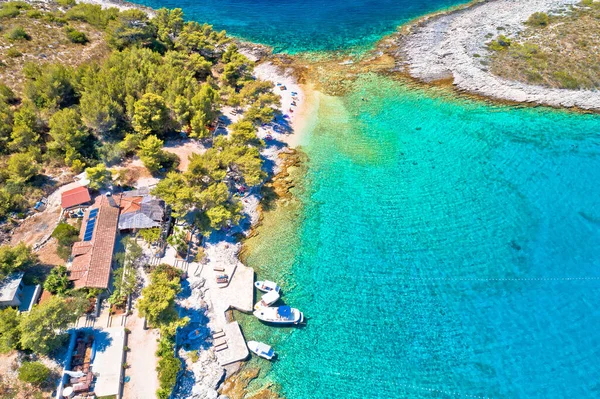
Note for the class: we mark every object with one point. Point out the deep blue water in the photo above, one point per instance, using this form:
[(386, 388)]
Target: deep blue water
[(304, 25)]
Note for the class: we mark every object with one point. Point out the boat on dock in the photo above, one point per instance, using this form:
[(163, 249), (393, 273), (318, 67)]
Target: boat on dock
[(267, 300), (280, 315), (262, 350), (266, 286)]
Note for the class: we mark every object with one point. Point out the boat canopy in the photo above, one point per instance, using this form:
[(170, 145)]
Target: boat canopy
[(284, 311)]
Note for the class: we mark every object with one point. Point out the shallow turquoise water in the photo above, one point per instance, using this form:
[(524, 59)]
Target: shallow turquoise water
[(305, 25), (438, 240), (407, 199)]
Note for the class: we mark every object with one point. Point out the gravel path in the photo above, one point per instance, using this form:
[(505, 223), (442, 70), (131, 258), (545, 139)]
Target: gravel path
[(446, 46)]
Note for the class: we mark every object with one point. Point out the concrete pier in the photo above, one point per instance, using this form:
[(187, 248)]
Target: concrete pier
[(236, 348)]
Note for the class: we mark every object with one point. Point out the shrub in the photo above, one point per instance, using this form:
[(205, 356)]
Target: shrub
[(18, 33), (21, 5), (538, 20), (35, 14), (13, 53), (66, 3), (9, 330), (15, 258), (150, 235), (76, 36), (501, 43), (66, 235), (7, 94), (57, 281), (34, 372), (9, 12), (168, 367)]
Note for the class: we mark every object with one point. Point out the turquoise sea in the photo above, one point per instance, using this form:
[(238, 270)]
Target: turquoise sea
[(440, 247), (305, 25)]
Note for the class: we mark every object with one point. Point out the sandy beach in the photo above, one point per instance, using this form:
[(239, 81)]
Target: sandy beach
[(445, 47)]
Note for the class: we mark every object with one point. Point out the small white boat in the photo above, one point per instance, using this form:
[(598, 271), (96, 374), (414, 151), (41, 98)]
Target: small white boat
[(267, 300), (266, 286), (279, 315), (262, 350)]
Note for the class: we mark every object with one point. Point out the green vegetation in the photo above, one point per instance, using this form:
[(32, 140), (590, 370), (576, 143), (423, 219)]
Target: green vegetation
[(153, 156), (125, 277), (150, 235), (163, 76), (33, 372), (168, 368), (158, 298), (178, 241), (555, 51), (9, 330), (99, 176), (42, 329), (158, 306), (13, 53), (76, 36), (18, 33), (500, 43), (66, 235), (538, 19), (17, 258), (57, 281)]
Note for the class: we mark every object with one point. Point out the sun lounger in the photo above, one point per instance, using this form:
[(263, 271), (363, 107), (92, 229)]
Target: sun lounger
[(220, 334), (219, 268), (221, 348)]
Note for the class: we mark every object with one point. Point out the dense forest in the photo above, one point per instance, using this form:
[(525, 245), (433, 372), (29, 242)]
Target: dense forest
[(162, 77)]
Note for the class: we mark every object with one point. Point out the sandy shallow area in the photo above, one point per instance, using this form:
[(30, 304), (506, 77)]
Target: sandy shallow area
[(445, 46)]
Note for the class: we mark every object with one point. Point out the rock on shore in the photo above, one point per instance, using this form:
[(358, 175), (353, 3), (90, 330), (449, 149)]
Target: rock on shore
[(452, 45)]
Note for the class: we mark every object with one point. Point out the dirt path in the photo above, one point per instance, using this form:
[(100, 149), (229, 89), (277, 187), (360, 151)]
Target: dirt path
[(142, 361)]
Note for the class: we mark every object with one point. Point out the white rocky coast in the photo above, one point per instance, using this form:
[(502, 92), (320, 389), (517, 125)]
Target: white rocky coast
[(444, 46)]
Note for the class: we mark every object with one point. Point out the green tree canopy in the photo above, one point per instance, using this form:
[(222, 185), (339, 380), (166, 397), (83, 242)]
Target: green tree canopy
[(244, 133), (42, 329), (151, 115), (69, 135), (152, 154), (131, 27), (9, 330), (15, 258), (157, 303), (22, 167), (25, 131), (51, 86), (57, 281), (99, 176), (169, 24)]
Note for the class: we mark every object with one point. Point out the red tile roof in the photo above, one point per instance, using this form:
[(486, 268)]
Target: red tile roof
[(92, 260), (130, 204), (75, 196)]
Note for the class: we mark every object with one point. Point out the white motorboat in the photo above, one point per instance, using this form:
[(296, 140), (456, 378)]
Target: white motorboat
[(262, 350), (266, 286), (279, 315), (267, 300)]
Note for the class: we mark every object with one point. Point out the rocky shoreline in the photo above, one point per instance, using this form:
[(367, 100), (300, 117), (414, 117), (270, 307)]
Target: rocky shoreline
[(450, 46)]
